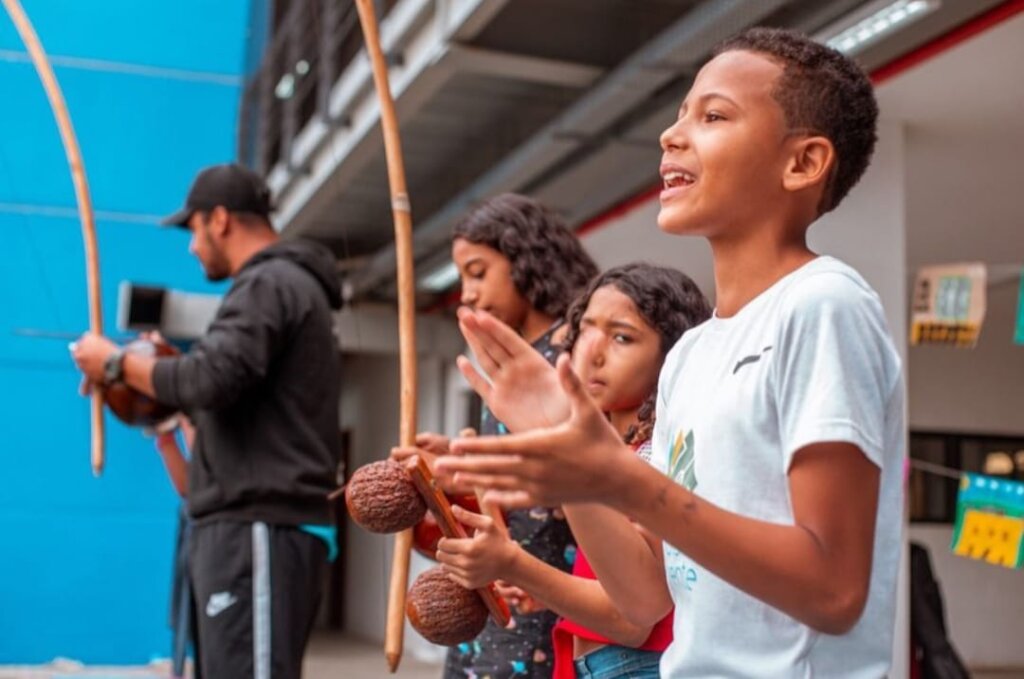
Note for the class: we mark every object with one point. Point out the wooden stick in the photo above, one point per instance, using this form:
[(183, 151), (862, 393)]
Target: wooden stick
[(85, 213), (402, 214), (441, 508)]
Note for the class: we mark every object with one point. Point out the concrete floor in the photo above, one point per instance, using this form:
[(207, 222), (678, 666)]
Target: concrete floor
[(340, 658), (328, 657)]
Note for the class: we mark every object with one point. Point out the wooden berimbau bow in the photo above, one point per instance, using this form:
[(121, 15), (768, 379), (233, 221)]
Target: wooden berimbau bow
[(85, 213), (402, 214)]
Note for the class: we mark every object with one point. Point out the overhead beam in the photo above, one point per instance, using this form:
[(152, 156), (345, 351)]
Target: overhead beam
[(679, 48), (466, 18), (520, 67)]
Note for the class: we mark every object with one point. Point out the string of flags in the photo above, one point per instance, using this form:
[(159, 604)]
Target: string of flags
[(949, 303), (989, 523)]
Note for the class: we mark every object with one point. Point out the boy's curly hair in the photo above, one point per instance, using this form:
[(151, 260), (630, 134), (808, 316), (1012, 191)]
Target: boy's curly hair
[(667, 300), (549, 264), (824, 91)]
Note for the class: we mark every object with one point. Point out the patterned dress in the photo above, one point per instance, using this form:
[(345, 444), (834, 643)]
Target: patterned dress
[(524, 649)]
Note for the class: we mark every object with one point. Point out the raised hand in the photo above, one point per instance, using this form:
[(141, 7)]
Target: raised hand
[(521, 388), (568, 462)]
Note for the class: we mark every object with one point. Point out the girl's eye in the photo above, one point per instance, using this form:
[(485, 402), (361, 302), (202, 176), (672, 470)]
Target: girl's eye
[(713, 117), (622, 339), (476, 273)]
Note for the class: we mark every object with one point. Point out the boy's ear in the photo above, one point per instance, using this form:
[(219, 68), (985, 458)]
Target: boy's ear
[(810, 163)]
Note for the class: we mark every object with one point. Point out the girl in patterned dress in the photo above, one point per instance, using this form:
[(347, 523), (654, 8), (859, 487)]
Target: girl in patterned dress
[(520, 262)]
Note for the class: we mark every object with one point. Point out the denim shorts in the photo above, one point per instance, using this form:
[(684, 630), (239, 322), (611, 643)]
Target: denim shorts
[(618, 662)]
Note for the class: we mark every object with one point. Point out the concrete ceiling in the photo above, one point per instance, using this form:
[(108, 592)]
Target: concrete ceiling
[(963, 113), (508, 102)]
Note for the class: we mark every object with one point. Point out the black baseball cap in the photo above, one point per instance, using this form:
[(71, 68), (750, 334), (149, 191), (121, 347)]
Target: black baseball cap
[(232, 186)]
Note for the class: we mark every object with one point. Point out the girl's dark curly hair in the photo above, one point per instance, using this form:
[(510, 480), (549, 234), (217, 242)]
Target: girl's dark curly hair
[(549, 264), (668, 301)]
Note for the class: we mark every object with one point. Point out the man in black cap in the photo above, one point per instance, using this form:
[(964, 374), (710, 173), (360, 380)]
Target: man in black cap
[(262, 387)]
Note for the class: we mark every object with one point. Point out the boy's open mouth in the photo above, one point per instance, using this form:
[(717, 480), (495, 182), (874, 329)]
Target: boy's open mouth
[(676, 178)]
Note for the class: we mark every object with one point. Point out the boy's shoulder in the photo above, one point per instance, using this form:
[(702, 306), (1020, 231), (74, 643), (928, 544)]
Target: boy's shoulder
[(828, 287), (825, 295), (832, 305), (826, 277)]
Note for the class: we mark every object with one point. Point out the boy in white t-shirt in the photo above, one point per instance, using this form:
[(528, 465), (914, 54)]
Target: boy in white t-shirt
[(775, 519)]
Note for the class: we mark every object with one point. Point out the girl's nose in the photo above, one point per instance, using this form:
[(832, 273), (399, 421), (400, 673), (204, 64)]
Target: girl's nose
[(596, 352)]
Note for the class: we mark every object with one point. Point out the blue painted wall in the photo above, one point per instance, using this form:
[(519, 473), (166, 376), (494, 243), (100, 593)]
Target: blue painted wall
[(153, 90)]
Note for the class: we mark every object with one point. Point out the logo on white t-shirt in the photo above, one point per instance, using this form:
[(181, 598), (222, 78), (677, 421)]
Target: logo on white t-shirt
[(747, 360), (681, 467)]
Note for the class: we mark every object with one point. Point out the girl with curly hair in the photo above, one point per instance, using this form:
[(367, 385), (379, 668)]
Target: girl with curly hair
[(520, 262), (620, 330)]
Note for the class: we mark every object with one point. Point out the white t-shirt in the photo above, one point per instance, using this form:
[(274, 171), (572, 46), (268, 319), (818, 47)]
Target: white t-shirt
[(808, 360)]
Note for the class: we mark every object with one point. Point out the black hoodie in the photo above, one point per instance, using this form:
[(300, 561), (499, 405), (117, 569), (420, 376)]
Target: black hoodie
[(262, 388)]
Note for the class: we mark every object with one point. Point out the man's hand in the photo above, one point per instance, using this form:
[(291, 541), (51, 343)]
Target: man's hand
[(521, 387), (569, 462), (477, 561), (90, 353)]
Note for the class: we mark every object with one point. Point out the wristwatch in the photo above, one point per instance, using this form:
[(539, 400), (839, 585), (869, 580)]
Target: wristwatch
[(113, 367)]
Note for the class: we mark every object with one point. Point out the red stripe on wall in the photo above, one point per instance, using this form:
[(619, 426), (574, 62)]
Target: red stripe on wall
[(947, 41), (619, 209)]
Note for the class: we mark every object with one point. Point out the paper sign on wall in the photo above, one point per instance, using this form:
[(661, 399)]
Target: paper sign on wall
[(990, 520), (949, 304)]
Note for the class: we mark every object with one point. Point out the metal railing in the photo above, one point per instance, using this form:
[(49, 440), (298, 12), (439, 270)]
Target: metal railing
[(312, 43)]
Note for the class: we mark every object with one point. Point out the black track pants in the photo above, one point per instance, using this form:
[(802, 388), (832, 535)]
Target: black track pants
[(256, 589)]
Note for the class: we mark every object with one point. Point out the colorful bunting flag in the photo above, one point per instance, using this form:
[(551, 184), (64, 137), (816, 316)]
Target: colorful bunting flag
[(990, 520)]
